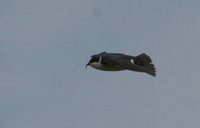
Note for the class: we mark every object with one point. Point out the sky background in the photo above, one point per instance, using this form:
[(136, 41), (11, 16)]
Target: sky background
[(45, 44)]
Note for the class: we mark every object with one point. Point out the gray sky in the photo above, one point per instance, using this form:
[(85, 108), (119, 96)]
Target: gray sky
[(44, 46)]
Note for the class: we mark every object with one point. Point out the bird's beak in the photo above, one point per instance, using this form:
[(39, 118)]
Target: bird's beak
[(87, 65)]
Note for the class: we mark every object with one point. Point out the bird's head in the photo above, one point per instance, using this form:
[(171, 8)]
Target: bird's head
[(94, 61)]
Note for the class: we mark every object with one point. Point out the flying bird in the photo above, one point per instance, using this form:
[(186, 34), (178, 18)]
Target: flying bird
[(118, 62)]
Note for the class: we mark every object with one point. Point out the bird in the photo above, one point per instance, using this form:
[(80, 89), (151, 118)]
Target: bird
[(119, 62)]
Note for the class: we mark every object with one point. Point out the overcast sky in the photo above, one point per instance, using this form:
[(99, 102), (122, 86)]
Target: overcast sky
[(45, 44)]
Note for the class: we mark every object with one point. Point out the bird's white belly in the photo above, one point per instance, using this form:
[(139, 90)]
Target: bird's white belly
[(105, 68)]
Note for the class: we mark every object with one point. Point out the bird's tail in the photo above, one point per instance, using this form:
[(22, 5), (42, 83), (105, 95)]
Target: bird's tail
[(145, 64)]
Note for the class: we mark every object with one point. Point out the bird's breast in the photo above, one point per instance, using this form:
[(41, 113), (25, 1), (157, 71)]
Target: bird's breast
[(105, 67)]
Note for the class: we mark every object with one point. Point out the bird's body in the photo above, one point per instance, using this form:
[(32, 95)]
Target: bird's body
[(117, 62)]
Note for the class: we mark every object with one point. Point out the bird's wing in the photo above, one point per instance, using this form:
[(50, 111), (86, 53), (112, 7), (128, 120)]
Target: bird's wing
[(117, 60)]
